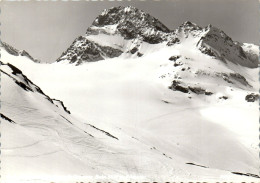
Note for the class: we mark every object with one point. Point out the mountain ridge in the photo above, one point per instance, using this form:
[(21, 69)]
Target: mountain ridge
[(13, 51), (134, 25)]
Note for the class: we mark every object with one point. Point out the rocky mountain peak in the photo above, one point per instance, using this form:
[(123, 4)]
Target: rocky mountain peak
[(131, 16), (130, 23), (189, 25), (188, 28)]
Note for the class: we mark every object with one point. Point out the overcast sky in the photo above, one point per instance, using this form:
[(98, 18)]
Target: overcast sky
[(46, 29)]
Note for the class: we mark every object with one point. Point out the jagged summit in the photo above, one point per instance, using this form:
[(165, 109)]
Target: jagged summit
[(190, 25), (122, 16), (123, 30), (130, 23)]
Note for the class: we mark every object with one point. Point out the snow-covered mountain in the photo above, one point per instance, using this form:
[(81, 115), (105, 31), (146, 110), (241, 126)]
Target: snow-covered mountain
[(159, 105), (126, 30), (11, 50)]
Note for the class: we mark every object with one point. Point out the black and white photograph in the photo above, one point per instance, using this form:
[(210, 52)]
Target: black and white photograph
[(129, 91)]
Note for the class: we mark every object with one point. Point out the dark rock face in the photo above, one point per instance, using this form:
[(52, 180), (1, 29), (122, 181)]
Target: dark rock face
[(233, 78), (173, 41), (6, 118), (208, 93), (25, 83), (176, 64), (88, 51), (250, 54), (223, 97), (208, 51), (127, 30), (153, 39), (197, 90), (225, 77), (15, 70), (11, 50), (174, 58), (103, 131), (62, 105), (217, 44), (177, 87), (239, 78), (197, 165), (246, 174), (252, 97), (134, 50), (139, 54)]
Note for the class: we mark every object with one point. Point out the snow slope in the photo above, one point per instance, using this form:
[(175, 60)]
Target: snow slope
[(159, 130), (34, 128)]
